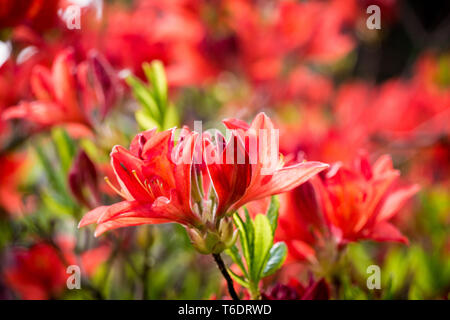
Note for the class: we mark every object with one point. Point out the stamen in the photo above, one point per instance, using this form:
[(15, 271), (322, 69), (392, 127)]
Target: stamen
[(149, 188), (120, 193), (141, 184), (155, 183)]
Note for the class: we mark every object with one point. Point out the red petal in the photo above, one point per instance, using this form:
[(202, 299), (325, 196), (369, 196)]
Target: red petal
[(41, 84), (126, 222), (124, 163), (63, 76), (138, 142), (42, 113), (395, 201), (384, 231), (236, 124), (230, 180), (281, 181), (92, 216)]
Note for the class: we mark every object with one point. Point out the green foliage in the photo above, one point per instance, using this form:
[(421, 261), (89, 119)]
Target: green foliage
[(156, 109), (65, 147), (56, 159), (262, 257)]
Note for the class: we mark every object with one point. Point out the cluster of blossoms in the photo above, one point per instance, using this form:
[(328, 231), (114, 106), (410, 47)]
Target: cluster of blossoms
[(193, 183), (68, 96), (343, 204)]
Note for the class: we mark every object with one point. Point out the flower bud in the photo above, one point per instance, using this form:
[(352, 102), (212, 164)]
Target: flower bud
[(197, 240), (105, 82), (83, 181), (213, 241)]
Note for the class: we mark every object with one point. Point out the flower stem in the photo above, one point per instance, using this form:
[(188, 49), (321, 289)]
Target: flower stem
[(225, 274), (254, 292)]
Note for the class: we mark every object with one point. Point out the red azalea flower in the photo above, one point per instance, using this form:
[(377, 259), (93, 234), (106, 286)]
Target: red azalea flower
[(154, 188), (175, 36), (39, 14), (11, 168), (269, 175), (189, 184), (57, 92), (345, 204), (39, 272)]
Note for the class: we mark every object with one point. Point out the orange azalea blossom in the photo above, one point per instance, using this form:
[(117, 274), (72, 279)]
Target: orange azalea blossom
[(35, 13), (187, 182), (58, 100), (12, 168), (39, 272), (344, 204)]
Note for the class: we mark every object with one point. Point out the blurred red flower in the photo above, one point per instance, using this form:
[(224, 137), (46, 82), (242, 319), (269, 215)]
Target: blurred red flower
[(11, 170), (39, 14), (39, 272), (58, 100), (174, 38), (344, 204)]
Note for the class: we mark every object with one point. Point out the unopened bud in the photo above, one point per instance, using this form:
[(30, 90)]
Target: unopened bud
[(213, 241), (83, 181), (197, 240)]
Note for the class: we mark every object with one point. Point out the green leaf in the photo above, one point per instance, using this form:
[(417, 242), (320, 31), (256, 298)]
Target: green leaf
[(244, 236), (158, 79), (55, 180), (55, 206), (233, 252), (238, 279), (250, 231), (145, 96), (145, 121), (91, 149), (277, 255), (262, 244), (272, 213), (65, 147), (171, 118)]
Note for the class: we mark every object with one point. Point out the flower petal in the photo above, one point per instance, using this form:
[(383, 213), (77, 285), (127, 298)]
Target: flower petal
[(282, 180), (384, 231), (395, 201)]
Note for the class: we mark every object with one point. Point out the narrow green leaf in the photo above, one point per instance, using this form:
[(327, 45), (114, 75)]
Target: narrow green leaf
[(233, 252), (64, 146), (263, 243), (159, 82), (250, 231), (145, 121), (238, 279), (144, 96), (272, 213), (171, 118), (243, 234), (54, 179), (277, 255), (55, 206), (91, 149)]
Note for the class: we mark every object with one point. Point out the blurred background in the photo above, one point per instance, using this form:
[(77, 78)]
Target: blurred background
[(72, 85)]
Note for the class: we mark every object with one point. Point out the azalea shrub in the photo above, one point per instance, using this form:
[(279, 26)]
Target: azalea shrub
[(236, 149)]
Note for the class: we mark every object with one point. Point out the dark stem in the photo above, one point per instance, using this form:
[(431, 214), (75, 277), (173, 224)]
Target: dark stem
[(225, 274)]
